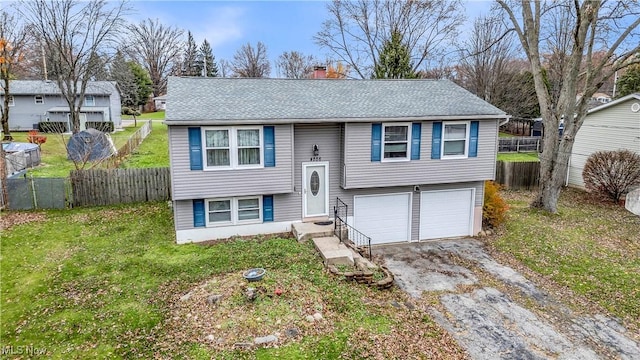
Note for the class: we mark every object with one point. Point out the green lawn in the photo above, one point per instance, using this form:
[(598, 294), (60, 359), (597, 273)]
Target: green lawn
[(154, 150), (518, 157), (158, 115), (107, 282), (590, 247), (53, 154)]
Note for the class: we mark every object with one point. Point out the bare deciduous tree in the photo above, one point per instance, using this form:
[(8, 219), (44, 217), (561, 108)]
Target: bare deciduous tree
[(158, 48), (357, 30), (593, 26), (485, 57), (251, 62), (295, 65), (13, 39), (75, 34)]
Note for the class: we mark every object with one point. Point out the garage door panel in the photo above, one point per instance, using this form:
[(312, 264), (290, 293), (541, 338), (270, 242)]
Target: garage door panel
[(385, 218), (446, 213)]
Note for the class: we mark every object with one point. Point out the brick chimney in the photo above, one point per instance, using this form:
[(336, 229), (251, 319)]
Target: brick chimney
[(319, 72)]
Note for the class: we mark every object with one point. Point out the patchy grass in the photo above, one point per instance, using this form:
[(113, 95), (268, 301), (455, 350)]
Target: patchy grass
[(158, 115), (154, 150), (518, 157), (593, 248), (504, 135), (53, 154), (107, 283)]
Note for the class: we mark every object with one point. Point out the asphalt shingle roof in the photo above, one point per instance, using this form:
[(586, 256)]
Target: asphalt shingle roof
[(214, 99), (42, 87)]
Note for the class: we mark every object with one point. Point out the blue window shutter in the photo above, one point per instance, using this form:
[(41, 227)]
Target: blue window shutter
[(416, 129), (473, 139), (195, 148), (436, 139), (198, 213), (269, 146), (267, 208), (376, 141)]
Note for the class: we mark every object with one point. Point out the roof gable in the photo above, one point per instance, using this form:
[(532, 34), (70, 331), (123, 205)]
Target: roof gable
[(219, 99), (615, 102)]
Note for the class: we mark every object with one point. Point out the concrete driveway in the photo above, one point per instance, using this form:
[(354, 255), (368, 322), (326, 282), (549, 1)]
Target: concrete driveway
[(496, 313)]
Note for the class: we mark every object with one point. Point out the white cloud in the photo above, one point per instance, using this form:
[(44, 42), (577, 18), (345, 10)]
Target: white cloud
[(222, 26)]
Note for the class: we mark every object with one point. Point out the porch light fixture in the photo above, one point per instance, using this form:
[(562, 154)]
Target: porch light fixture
[(316, 151)]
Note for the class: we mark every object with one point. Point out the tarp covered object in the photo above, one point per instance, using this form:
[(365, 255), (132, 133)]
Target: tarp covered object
[(90, 145)]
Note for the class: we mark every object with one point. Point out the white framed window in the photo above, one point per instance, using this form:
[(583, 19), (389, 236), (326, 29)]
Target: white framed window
[(12, 102), (39, 99), (219, 211), (396, 144), (232, 211), (89, 100), (233, 147), (455, 139)]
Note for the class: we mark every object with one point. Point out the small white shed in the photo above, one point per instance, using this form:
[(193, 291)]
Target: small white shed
[(612, 126)]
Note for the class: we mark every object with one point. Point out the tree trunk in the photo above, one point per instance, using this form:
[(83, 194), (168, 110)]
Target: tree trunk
[(5, 112)]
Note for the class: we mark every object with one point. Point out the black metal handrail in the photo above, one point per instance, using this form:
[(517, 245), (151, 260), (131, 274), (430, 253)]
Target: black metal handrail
[(345, 232)]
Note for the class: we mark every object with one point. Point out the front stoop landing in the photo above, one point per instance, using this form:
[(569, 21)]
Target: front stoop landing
[(333, 252), (306, 230)]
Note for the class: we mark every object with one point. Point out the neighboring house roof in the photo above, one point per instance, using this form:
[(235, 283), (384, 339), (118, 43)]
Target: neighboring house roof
[(43, 87), (202, 100), (615, 102)]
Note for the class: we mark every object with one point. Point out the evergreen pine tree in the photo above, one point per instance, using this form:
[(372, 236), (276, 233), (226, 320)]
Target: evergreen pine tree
[(629, 83), (205, 56), (121, 73), (395, 61), (143, 82), (189, 64)]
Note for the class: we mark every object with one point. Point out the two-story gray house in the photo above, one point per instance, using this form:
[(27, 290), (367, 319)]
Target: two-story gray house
[(253, 156), (34, 101)]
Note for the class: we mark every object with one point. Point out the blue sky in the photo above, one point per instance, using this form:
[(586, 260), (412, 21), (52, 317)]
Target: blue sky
[(280, 25)]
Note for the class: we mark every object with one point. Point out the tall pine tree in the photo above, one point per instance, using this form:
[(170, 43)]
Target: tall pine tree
[(205, 57), (395, 61), (121, 73), (143, 82), (189, 64)]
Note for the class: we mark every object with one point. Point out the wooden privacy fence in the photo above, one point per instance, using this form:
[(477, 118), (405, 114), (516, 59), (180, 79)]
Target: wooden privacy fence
[(120, 186), (519, 144), (518, 175)]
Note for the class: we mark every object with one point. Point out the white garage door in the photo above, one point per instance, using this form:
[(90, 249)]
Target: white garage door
[(446, 213), (385, 218)]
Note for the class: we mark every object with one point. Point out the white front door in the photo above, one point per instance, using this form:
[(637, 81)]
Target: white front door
[(315, 189)]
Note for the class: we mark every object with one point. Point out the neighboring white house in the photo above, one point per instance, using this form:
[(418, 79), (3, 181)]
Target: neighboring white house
[(612, 126), (160, 102)]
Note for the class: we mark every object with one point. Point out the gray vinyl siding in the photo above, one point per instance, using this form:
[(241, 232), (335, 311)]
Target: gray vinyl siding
[(183, 214), (26, 114), (361, 172), (288, 206), (609, 129), (203, 184)]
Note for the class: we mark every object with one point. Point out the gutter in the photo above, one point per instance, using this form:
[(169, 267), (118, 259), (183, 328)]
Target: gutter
[(272, 121)]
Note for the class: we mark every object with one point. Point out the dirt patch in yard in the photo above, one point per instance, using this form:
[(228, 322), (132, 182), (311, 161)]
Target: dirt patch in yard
[(217, 314)]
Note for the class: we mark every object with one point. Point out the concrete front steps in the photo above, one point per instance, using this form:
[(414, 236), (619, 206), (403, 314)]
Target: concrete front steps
[(332, 251)]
